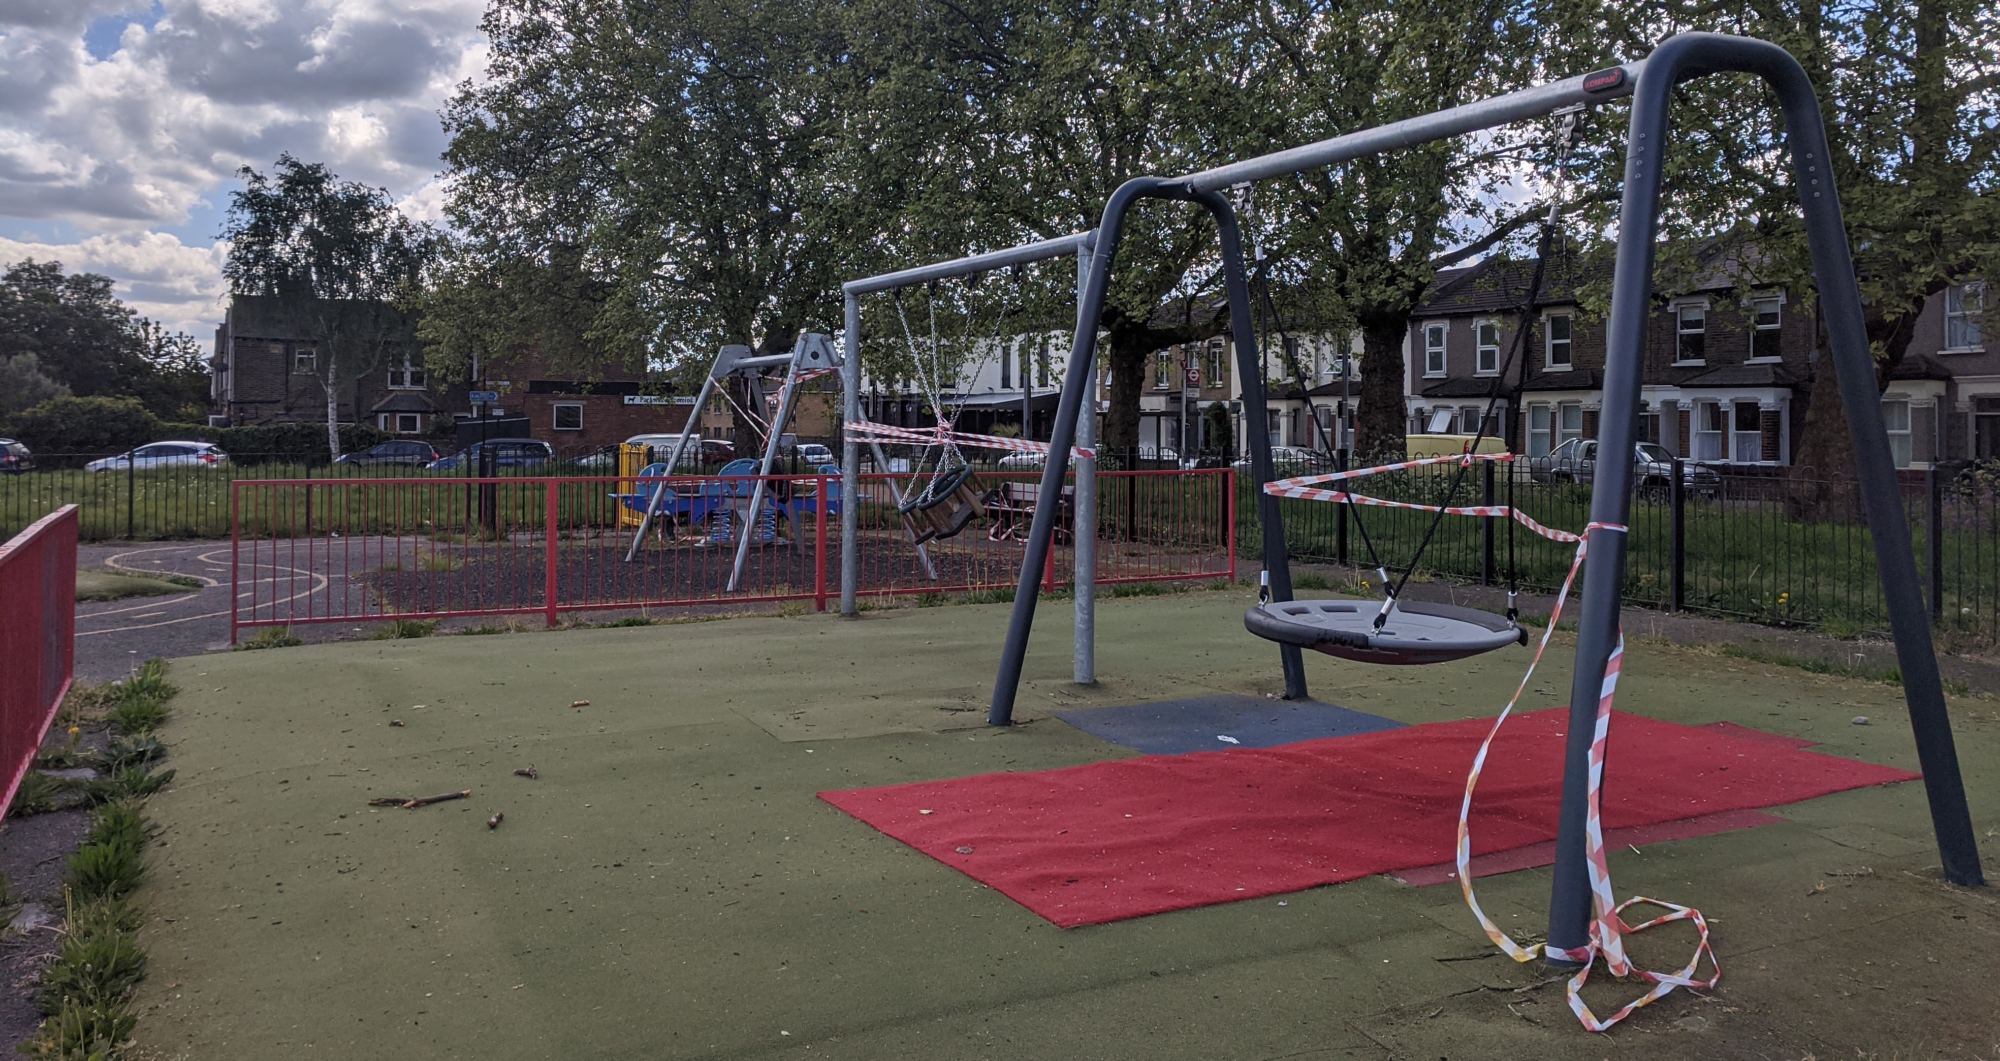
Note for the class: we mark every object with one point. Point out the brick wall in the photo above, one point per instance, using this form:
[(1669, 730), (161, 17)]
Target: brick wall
[(607, 420)]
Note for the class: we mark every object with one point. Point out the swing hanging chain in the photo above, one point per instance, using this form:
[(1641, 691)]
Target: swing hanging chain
[(1267, 308), (1567, 134)]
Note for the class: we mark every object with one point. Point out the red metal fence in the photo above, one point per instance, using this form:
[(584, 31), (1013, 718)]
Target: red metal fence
[(374, 550), (37, 638)]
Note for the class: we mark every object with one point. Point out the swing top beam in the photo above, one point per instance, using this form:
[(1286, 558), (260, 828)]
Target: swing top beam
[(1040, 250)]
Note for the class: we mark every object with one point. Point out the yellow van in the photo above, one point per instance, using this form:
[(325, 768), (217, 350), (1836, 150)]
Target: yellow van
[(1419, 446)]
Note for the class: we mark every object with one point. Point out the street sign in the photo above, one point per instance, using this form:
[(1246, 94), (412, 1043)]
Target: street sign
[(648, 399), (1340, 367), (484, 397), (1194, 376)]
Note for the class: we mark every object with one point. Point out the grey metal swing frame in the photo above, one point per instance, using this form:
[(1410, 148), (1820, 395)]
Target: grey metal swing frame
[(1649, 83)]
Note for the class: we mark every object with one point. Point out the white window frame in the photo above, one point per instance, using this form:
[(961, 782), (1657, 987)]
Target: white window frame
[(1481, 349), (1700, 432), (305, 360), (1563, 431), (1758, 327), (1440, 420), (1163, 370), (1542, 438), (1737, 434), (394, 423), (1681, 329), (411, 373), (1968, 321), (1442, 331), (1218, 363), (1902, 440), (555, 416), (1550, 342)]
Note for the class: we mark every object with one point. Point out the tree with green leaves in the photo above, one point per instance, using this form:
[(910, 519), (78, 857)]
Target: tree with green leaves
[(81, 335), (24, 385), (638, 183), (1910, 90), (338, 258)]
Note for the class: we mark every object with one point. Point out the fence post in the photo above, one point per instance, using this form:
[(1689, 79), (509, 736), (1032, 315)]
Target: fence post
[(1131, 499), (1486, 525), (131, 492), (235, 568), (549, 548), (1934, 486), (1229, 517), (819, 545), (309, 497), (1340, 527), (1677, 538)]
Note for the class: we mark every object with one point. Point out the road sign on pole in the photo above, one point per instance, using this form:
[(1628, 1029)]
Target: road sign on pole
[(1194, 376), (484, 397)]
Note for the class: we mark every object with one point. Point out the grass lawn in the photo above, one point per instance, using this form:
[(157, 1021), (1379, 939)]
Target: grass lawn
[(670, 888), (105, 585)]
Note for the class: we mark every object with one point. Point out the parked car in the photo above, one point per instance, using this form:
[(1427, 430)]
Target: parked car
[(813, 454), (163, 455), (15, 457), (1025, 461), (395, 451), (507, 453), (1575, 461), (1291, 460)]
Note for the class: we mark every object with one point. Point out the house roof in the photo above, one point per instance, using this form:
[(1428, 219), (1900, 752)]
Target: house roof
[(1774, 375), (405, 402), (269, 317), (1498, 284), (1919, 366)]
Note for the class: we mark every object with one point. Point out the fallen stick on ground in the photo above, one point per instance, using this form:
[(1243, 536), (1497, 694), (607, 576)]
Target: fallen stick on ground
[(407, 803), (527, 772)]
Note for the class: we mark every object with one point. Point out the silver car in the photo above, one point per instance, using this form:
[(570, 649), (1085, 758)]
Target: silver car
[(1575, 461), (163, 455)]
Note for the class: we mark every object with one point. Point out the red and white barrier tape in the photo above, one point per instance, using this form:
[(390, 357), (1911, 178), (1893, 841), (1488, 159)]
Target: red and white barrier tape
[(867, 431), (1608, 927)]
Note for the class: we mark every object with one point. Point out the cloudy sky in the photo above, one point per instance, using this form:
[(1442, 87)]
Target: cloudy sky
[(123, 122)]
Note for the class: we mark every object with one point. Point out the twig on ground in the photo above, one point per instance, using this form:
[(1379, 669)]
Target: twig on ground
[(412, 803), (528, 772)]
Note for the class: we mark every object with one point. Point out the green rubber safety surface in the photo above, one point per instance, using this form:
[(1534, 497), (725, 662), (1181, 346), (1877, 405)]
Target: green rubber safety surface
[(669, 887)]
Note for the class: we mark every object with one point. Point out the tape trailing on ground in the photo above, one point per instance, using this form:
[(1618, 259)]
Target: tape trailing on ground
[(1608, 928)]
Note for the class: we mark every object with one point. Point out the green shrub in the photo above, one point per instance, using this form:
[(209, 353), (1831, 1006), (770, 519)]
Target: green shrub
[(118, 823), (40, 793), (275, 637), (84, 428), (302, 443), (83, 1031), (138, 714), (133, 782), (150, 680), (98, 963), (404, 628), (136, 750), (106, 870)]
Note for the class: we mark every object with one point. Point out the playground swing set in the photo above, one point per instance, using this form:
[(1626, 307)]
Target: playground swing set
[(1586, 921)]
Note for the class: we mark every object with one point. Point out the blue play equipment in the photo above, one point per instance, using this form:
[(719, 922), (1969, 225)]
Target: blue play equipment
[(716, 502)]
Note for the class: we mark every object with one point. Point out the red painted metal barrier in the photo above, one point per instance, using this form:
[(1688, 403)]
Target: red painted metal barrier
[(374, 550), (37, 638)]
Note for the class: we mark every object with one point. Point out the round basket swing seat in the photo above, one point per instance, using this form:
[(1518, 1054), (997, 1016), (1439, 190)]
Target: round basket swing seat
[(950, 503), (1416, 632)]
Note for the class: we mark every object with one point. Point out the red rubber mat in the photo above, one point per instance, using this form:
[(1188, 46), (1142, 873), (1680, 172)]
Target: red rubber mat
[(1107, 841)]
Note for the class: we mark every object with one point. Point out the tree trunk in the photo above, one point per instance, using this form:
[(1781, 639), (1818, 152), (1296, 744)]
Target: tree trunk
[(1128, 350), (1381, 416), (332, 408)]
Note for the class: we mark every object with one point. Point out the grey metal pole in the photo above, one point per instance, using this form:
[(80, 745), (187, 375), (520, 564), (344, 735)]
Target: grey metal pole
[(850, 455), (966, 266), (746, 528), (1680, 57), (1085, 531), (673, 460)]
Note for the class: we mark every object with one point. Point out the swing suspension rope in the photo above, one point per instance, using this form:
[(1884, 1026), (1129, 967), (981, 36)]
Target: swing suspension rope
[(1566, 137)]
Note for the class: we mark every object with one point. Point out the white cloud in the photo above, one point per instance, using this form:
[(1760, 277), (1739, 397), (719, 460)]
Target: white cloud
[(158, 275), (152, 135)]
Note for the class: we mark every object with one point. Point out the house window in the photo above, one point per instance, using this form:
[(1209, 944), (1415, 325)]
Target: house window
[(1163, 370), (1041, 366), (1747, 440), (1690, 334), (1468, 420), (1217, 363), (1896, 417), (305, 360), (401, 423), (1434, 349), (1709, 422), (1569, 421), (1766, 324), (1986, 427), (1441, 421), (1649, 426), (1963, 306), (568, 416), (1486, 360), (406, 374), (1541, 428), (1557, 344), (1273, 427), (1007, 368)]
